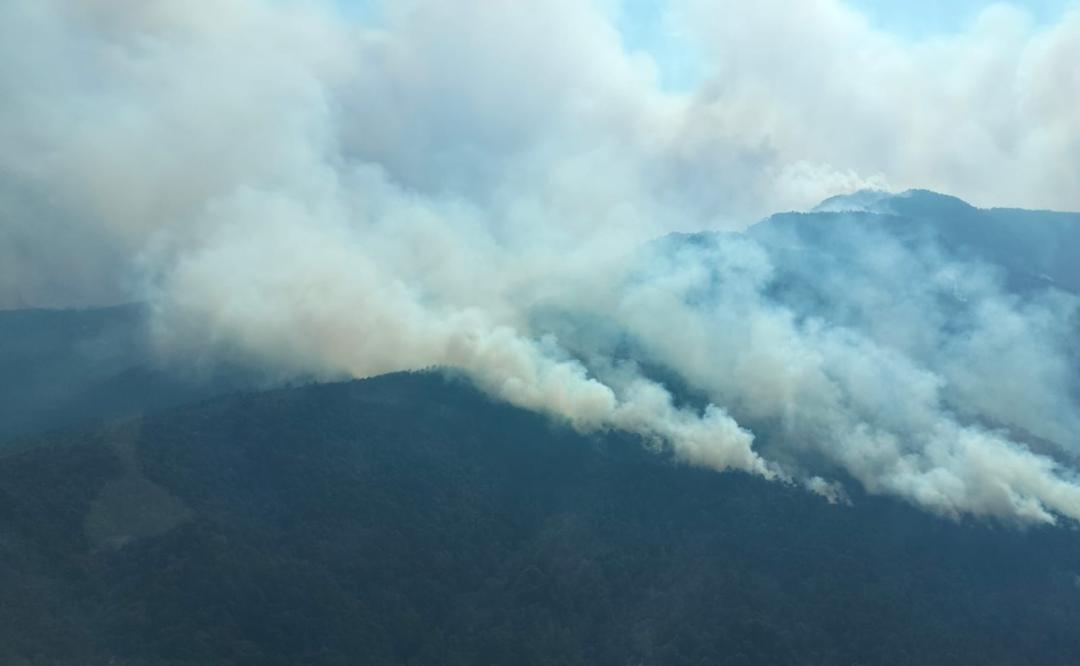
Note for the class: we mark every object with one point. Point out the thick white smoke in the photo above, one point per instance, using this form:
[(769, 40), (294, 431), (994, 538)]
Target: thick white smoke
[(335, 198)]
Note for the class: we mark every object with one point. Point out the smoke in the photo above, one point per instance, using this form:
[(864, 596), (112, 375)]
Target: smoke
[(908, 370), (477, 185)]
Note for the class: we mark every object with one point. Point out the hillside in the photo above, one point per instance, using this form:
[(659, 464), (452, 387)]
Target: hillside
[(407, 519), (159, 511)]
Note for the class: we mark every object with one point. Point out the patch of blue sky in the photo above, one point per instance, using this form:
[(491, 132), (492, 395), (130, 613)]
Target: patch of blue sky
[(650, 27), (920, 19), (368, 12), (647, 26)]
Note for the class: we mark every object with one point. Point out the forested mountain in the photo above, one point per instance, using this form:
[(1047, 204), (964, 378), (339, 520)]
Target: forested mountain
[(572, 332), (1034, 248), (175, 511), (408, 519)]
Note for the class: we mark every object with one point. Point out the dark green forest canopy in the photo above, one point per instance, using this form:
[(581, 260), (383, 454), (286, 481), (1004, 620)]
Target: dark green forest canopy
[(407, 519)]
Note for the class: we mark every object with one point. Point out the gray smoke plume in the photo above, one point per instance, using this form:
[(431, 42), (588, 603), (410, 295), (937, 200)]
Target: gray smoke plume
[(335, 197)]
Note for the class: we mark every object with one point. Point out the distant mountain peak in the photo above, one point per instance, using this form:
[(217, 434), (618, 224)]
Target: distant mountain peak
[(860, 201), (907, 202)]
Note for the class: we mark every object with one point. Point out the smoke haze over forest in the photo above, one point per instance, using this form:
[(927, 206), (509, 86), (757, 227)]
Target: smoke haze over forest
[(514, 191)]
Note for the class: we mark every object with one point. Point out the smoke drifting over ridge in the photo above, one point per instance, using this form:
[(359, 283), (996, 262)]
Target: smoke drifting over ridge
[(333, 198)]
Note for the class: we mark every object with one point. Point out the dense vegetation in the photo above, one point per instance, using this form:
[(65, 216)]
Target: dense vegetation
[(409, 520)]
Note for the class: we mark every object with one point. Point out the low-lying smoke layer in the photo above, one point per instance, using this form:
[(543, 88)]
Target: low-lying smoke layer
[(331, 197)]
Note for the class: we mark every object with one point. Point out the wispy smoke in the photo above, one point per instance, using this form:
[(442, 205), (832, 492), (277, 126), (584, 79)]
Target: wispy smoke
[(336, 198)]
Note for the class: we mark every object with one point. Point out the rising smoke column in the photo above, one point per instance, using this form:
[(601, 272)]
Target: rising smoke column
[(327, 197)]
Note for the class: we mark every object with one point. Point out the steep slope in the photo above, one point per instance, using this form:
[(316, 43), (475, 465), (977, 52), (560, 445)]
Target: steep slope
[(407, 519)]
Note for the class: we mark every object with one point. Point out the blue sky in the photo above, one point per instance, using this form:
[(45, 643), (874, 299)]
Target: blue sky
[(642, 25), (913, 18), (643, 28), (922, 18)]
